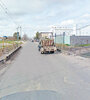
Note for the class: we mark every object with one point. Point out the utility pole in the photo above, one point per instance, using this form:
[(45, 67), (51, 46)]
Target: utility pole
[(20, 31), (63, 37), (55, 38), (17, 29), (17, 33)]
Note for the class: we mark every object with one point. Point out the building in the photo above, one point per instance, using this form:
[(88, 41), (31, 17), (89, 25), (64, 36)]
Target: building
[(45, 35), (9, 38), (1, 38), (79, 40)]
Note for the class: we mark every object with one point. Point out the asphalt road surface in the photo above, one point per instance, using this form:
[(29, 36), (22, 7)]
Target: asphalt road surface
[(32, 71)]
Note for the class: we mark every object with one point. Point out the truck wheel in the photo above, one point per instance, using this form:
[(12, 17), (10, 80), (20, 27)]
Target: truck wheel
[(52, 52), (39, 49), (42, 52)]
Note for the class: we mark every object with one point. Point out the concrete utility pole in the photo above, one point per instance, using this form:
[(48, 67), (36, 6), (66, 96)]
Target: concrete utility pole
[(17, 33), (20, 31), (63, 37), (55, 38), (54, 30), (17, 29), (75, 29)]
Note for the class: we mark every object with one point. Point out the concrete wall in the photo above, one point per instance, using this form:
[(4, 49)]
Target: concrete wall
[(72, 40), (78, 40), (61, 39), (67, 40)]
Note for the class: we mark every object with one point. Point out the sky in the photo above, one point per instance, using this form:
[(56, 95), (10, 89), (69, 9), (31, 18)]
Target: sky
[(41, 15)]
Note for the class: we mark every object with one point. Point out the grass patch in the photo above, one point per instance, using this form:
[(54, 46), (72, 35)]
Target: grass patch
[(83, 45), (57, 44), (11, 42)]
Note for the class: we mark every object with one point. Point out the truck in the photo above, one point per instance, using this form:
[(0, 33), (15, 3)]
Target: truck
[(47, 46)]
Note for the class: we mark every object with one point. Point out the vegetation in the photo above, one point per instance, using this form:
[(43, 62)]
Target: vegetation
[(67, 44), (8, 47), (83, 45), (37, 35), (15, 36), (58, 44), (10, 42), (25, 37)]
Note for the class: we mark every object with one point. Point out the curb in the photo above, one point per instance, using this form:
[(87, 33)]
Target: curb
[(7, 57)]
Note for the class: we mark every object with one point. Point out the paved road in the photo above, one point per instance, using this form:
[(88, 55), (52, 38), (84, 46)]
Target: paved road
[(33, 71)]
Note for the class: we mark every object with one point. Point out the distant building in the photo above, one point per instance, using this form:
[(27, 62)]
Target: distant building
[(11, 38), (45, 35), (1, 38), (79, 40), (8, 38)]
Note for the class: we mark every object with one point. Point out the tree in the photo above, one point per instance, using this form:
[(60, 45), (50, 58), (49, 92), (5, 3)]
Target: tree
[(15, 35), (25, 37), (37, 35)]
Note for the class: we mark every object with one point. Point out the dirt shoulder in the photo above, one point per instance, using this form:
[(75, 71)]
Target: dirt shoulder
[(77, 60)]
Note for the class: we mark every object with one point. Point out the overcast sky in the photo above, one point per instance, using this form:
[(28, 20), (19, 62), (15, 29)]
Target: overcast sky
[(40, 15)]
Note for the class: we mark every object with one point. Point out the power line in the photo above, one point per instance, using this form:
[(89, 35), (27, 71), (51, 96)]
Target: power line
[(3, 6), (83, 27)]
